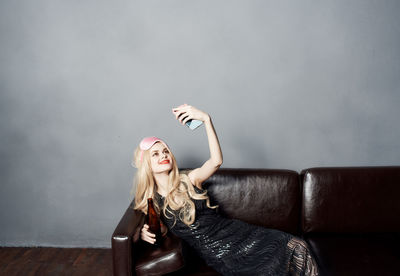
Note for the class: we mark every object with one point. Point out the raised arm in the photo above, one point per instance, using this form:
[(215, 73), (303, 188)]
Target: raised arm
[(186, 112)]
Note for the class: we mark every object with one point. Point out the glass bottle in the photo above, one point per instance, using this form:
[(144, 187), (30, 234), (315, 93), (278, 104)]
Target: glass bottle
[(153, 221)]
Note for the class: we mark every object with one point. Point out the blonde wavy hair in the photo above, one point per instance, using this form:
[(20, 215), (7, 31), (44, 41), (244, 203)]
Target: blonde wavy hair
[(180, 195)]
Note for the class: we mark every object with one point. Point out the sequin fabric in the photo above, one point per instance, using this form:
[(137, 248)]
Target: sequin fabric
[(233, 247)]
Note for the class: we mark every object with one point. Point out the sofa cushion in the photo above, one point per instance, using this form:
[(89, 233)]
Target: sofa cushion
[(356, 254), (351, 200), (265, 197)]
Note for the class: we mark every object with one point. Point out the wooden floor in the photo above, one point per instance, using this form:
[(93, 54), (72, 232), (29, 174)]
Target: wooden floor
[(55, 261)]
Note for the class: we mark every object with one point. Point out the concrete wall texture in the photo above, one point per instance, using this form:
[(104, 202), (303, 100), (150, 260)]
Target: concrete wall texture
[(289, 85)]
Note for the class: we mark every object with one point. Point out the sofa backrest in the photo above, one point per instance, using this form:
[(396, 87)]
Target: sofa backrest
[(351, 200), (266, 197)]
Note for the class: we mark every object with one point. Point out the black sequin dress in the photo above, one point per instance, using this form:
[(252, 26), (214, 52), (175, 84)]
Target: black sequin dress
[(233, 247)]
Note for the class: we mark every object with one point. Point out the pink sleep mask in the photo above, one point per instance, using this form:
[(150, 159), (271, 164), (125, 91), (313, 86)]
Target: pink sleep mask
[(147, 143)]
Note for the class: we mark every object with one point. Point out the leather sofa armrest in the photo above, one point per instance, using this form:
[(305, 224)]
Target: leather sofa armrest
[(163, 259), (125, 242)]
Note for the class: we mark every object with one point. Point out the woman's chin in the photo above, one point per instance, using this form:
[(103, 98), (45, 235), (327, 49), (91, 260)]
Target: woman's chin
[(164, 170)]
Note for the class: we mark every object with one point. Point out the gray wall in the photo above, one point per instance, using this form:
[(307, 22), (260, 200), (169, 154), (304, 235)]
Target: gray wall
[(289, 84)]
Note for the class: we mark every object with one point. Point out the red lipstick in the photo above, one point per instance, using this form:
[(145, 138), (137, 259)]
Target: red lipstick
[(164, 162)]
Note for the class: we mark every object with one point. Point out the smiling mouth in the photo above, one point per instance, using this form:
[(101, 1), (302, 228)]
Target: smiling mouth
[(165, 162)]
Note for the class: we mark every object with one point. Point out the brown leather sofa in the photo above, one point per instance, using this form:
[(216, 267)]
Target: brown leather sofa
[(350, 216)]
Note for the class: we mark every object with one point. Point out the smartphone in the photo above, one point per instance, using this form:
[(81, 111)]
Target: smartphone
[(193, 124)]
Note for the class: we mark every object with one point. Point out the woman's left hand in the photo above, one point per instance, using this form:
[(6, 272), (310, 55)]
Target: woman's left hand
[(185, 112)]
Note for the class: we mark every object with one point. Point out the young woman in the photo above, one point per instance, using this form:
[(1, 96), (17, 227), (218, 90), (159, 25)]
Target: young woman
[(230, 246)]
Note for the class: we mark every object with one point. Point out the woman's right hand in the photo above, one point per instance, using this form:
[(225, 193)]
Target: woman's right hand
[(184, 113), (146, 235)]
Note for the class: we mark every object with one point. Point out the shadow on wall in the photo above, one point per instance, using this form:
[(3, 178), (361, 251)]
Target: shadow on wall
[(190, 162)]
